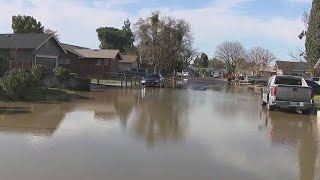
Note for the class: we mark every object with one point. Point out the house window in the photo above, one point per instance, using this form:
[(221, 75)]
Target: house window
[(99, 62), (64, 61)]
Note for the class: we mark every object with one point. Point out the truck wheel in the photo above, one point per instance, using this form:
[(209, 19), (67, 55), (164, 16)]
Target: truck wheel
[(270, 107), (262, 102), (306, 111)]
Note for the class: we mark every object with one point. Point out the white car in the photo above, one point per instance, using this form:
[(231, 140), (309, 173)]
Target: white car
[(185, 73)]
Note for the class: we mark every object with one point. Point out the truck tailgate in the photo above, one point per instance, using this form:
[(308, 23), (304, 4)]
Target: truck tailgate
[(294, 93)]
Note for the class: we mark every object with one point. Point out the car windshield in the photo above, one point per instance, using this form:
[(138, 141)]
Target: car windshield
[(152, 76), (288, 81), (316, 79)]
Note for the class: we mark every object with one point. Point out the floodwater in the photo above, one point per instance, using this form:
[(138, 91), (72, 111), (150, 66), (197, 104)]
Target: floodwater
[(158, 134)]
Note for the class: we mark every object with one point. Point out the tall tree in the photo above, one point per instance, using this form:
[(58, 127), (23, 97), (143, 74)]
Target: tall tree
[(166, 42), (259, 57), (50, 31), (313, 34), (113, 38), (26, 24), (204, 60), (216, 64), (230, 53)]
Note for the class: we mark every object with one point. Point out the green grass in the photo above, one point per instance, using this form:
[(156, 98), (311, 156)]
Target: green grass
[(46, 94), (317, 102)]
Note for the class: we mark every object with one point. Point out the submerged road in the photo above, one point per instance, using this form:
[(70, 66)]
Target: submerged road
[(221, 132)]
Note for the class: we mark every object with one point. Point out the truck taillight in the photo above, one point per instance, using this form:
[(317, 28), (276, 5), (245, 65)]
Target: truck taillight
[(274, 91)]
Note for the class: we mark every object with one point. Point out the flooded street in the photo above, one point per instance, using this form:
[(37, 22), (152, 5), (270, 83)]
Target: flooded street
[(219, 133)]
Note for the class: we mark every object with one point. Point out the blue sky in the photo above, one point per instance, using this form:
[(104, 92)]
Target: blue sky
[(273, 24)]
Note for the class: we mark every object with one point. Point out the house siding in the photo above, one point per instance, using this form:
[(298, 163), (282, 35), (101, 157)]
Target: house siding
[(88, 68), (50, 48)]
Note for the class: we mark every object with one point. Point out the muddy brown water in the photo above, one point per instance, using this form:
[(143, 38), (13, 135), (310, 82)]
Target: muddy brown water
[(158, 134)]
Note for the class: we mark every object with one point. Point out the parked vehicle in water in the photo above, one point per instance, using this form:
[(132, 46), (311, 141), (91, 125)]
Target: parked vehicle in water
[(135, 71), (153, 80), (185, 73), (314, 85), (290, 92)]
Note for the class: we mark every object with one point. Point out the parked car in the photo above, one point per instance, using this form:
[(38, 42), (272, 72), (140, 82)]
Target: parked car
[(135, 71), (314, 85), (257, 80), (185, 73), (216, 76), (290, 92), (153, 80), (316, 80)]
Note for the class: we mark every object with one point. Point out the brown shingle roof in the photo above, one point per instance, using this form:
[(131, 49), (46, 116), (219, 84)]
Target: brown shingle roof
[(100, 54), (288, 66), (269, 68), (71, 48), (129, 58)]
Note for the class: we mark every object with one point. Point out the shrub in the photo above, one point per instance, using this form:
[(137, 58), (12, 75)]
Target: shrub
[(62, 74), (39, 72), (17, 83)]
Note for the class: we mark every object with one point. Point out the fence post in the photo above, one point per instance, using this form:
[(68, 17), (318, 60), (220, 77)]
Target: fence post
[(131, 81), (121, 81), (126, 81)]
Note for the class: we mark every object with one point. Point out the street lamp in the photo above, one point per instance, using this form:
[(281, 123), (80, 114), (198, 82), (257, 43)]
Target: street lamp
[(302, 34)]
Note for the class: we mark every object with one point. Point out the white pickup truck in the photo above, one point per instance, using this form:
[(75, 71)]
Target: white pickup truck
[(290, 92)]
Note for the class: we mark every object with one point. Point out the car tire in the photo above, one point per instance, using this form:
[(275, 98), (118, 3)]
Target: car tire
[(306, 111)]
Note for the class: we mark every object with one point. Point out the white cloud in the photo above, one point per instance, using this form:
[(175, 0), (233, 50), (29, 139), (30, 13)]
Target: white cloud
[(221, 20)]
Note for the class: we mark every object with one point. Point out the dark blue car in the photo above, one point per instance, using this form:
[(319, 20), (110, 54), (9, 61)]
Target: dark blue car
[(153, 80)]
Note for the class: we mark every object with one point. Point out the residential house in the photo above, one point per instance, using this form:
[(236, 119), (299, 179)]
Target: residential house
[(25, 50), (128, 62), (267, 71), (292, 68), (91, 63)]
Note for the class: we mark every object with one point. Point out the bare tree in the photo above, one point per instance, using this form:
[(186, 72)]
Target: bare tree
[(298, 55), (165, 42), (230, 53), (259, 57), (50, 31)]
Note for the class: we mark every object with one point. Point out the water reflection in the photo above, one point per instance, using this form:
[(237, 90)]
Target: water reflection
[(37, 119), (296, 131), (160, 116)]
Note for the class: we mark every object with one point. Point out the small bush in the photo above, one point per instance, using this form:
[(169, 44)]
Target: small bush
[(62, 74), (39, 72), (17, 84)]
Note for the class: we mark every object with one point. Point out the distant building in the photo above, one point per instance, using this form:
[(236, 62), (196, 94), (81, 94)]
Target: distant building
[(128, 61), (91, 62), (292, 68)]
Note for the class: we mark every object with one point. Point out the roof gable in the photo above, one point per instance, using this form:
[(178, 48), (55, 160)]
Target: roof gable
[(71, 48), (129, 58)]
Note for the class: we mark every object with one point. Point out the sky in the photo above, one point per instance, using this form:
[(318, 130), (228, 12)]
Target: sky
[(272, 24)]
